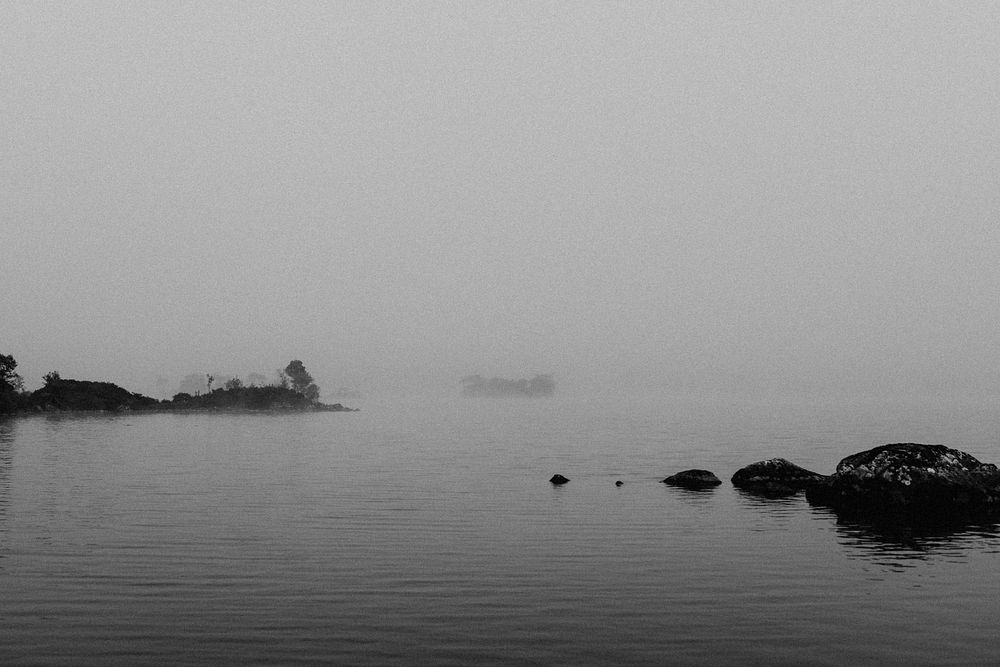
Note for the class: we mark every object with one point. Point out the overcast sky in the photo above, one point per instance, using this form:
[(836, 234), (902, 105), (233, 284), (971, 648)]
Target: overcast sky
[(765, 196)]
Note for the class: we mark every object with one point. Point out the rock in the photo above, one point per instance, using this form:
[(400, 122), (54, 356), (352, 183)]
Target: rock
[(693, 479), (558, 479), (907, 478), (775, 478), (619, 483)]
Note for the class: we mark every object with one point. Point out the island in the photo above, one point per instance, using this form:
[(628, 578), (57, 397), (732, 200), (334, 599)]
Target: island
[(477, 385)]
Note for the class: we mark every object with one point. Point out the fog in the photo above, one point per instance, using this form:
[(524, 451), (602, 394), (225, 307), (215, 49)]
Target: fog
[(758, 198)]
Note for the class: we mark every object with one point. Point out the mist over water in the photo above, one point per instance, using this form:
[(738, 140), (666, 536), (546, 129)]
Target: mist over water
[(764, 198)]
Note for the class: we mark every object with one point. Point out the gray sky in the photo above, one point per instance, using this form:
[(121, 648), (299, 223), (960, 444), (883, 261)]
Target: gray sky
[(765, 196)]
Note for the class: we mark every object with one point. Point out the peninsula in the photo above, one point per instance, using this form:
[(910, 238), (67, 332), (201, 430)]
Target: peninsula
[(294, 391)]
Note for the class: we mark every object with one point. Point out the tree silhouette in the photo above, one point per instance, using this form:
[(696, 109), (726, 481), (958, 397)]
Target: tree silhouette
[(10, 384), (301, 380), (9, 380)]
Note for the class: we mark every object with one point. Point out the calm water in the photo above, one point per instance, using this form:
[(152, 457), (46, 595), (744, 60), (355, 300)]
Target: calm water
[(427, 532)]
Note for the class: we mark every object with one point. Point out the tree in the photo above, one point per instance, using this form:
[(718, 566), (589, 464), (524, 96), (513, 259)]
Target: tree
[(301, 380), (51, 377), (210, 378), (9, 380), (298, 375), (311, 392), (234, 383), (11, 384)]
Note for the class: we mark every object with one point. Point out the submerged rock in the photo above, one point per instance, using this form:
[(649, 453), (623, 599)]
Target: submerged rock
[(775, 477), (558, 479), (910, 478), (693, 479)]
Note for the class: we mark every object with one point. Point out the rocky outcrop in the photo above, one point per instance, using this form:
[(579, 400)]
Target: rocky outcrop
[(775, 477), (558, 479), (909, 478), (693, 479)]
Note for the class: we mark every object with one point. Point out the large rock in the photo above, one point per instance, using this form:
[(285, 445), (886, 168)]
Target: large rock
[(693, 479), (775, 477), (907, 478), (558, 479)]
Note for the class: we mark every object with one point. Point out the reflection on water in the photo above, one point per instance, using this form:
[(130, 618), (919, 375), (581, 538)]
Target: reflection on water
[(694, 497), (7, 432), (7, 428), (771, 507), (768, 503), (897, 543), (891, 542)]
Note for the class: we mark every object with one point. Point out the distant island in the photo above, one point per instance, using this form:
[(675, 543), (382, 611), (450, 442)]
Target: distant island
[(294, 391), (478, 386)]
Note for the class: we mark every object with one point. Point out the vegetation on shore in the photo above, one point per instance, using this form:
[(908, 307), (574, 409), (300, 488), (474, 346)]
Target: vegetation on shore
[(295, 390), (11, 384)]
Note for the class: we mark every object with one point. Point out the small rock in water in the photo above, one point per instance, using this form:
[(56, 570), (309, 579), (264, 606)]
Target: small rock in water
[(619, 483), (693, 479), (558, 479)]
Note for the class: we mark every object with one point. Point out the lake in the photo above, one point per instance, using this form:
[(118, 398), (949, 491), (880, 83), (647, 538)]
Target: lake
[(426, 531)]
